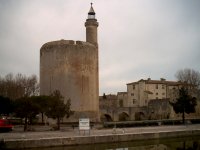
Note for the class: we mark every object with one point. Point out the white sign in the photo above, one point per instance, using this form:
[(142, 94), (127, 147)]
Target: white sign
[(84, 124)]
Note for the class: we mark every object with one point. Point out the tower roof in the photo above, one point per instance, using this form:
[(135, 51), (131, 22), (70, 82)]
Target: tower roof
[(91, 11)]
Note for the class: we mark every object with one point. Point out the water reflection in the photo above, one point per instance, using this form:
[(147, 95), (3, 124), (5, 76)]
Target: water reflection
[(195, 146), (189, 143)]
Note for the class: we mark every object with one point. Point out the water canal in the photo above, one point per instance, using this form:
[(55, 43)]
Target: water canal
[(185, 143)]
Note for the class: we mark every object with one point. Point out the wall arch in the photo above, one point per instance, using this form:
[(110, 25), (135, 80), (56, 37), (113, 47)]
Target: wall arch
[(106, 118), (139, 116), (124, 116)]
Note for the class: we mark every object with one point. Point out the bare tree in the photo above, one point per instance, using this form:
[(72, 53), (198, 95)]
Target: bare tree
[(31, 86), (18, 86), (8, 86), (189, 76)]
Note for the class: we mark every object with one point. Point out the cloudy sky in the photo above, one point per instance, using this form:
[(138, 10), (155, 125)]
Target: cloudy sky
[(137, 38)]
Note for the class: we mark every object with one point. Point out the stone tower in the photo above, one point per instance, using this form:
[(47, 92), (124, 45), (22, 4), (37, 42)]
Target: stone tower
[(72, 68), (91, 25)]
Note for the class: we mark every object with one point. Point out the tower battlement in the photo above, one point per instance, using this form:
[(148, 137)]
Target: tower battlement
[(64, 42)]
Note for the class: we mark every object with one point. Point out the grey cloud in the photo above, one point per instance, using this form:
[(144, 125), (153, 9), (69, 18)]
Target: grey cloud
[(137, 39)]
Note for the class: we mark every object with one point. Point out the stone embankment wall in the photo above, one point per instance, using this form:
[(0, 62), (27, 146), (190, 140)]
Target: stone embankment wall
[(97, 139)]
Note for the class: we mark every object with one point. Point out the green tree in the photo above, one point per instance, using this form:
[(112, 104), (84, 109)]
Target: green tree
[(26, 109), (6, 105), (104, 96), (42, 102), (184, 104), (57, 108)]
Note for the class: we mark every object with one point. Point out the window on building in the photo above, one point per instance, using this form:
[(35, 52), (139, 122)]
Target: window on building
[(156, 93), (163, 93), (156, 97), (121, 104), (133, 86), (134, 101), (132, 94), (156, 86), (163, 86)]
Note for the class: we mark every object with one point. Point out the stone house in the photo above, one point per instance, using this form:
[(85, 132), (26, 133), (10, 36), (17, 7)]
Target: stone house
[(141, 92), (122, 99)]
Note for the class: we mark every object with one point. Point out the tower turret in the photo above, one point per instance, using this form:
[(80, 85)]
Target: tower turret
[(91, 25)]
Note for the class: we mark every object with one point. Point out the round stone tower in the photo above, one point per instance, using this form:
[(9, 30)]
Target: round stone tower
[(72, 68)]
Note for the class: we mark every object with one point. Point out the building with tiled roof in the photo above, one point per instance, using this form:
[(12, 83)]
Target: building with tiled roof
[(146, 100), (141, 92)]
